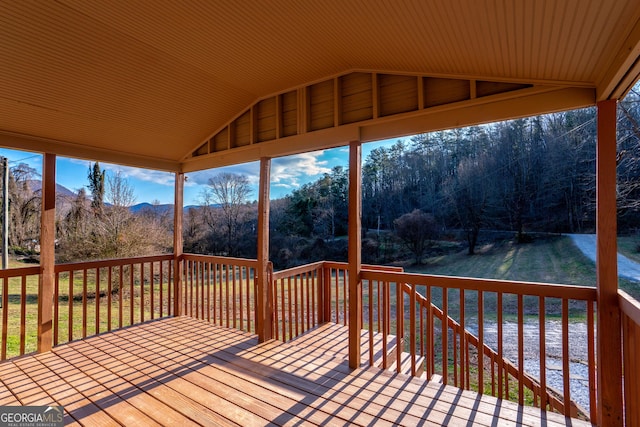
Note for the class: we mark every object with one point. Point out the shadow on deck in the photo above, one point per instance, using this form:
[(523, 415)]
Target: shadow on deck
[(183, 371)]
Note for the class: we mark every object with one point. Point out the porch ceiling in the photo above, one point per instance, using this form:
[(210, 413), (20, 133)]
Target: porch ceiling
[(146, 83)]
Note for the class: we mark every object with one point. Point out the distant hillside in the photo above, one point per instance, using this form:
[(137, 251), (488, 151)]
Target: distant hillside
[(36, 185), (64, 193), (159, 209)]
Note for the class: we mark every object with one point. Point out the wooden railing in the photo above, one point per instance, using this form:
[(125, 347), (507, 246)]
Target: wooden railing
[(464, 352), (298, 300), (309, 295), (630, 311), (19, 302), (454, 328), (220, 290), (98, 296)]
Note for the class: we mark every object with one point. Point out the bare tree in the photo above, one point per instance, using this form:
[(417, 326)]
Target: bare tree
[(469, 193), (416, 229), (229, 191)]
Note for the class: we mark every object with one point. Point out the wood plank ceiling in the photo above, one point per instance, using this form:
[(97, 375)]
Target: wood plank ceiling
[(189, 85)]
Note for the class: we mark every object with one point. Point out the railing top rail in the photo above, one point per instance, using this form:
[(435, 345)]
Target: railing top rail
[(629, 306), (246, 262), (19, 272), (488, 285), (336, 264), (294, 271), (72, 266)]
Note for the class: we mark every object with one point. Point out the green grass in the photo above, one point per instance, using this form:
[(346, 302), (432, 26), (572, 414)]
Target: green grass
[(83, 321), (549, 260)]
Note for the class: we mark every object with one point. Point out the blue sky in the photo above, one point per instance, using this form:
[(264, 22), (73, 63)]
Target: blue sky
[(287, 173)]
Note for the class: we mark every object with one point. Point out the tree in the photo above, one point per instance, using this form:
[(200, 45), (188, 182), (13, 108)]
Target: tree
[(230, 191), (96, 178), (416, 229), (24, 207), (116, 232), (469, 194)]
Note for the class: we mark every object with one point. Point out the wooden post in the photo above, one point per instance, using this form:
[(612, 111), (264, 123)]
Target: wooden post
[(47, 254), (609, 386), (264, 298), (355, 256), (178, 243)]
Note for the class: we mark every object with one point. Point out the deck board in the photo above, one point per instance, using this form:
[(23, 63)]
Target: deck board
[(182, 371)]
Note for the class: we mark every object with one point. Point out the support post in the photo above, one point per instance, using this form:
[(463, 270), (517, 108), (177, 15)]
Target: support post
[(178, 209), (355, 255), (264, 300), (609, 363), (47, 254), (5, 213)]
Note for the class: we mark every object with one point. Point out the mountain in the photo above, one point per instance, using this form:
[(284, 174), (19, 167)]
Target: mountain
[(159, 209), (61, 191)]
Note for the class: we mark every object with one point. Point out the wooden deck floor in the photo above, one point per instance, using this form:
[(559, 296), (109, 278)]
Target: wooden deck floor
[(181, 371)]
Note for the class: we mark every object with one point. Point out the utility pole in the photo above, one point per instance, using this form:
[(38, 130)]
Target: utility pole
[(5, 213)]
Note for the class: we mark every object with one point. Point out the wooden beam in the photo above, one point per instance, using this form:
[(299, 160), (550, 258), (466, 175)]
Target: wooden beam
[(520, 103), (69, 149), (609, 383), (355, 253), (178, 210), (47, 254), (623, 70), (264, 300)]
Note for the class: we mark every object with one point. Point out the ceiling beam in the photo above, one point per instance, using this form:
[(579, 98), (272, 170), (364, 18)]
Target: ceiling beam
[(78, 151), (624, 70)]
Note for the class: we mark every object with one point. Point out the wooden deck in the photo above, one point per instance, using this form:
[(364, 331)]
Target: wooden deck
[(182, 371)]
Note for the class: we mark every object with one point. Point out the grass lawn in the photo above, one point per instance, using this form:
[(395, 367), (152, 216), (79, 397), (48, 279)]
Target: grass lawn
[(550, 260), (87, 319)]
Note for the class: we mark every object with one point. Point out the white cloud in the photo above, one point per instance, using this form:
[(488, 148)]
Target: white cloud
[(250, 170), (148, 175), (289, 172)]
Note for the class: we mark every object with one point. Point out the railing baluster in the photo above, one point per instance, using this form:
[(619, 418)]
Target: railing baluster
[(445, 336), (161, 288), (70, 304), (141, 292), (23, 313), (290, 318), (463, 341), (240, 295), (591, 361), (399, 325), (412, 328), (226, 284), (97, 300), (84, 303), (520, 349), (385, 322), (481, 342), (5, 317), (501, 368), (233, 286), (109, 297), (120, 295), (306, 286), (56, 308), (543, 351), (565, 357), (345, 296), (131, 294), (151, 291), (371, 325), (430, 335)]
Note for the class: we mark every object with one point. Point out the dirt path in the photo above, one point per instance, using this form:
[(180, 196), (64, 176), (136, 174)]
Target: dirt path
[(587, 244)]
